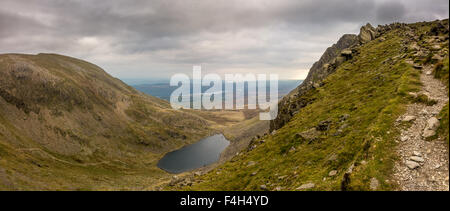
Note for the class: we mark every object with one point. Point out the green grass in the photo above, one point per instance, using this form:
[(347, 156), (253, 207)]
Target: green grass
[(443, 128), (424, 99), (60, 115), (372, 93), (441, 71)]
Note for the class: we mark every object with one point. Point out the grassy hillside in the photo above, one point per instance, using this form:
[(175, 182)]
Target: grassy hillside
[(66, 124), (344, 138)]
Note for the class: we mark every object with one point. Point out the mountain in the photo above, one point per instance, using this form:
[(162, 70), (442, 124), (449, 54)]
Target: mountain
[(371, 115), (67, 124)]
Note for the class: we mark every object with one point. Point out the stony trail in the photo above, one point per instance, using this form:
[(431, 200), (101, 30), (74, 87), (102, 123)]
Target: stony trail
[(423, 165)]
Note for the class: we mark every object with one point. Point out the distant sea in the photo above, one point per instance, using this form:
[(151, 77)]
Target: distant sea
[(162, 89)]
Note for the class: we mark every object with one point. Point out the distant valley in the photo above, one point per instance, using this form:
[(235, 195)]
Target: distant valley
[(163, 89)]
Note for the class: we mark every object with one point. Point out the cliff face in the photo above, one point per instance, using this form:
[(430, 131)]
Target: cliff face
[(346, 47)]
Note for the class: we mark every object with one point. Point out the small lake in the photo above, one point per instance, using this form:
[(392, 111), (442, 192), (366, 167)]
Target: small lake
[(199, 154)]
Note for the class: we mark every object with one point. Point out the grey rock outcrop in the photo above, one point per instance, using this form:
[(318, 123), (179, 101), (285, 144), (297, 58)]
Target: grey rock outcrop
[(318, 72), (367, 33), (345, 49)]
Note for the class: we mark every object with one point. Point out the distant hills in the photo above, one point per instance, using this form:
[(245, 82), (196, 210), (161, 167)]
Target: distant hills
[(163, 89)]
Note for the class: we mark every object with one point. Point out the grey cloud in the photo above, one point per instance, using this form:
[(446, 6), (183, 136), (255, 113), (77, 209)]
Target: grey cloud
[(390, 11), (221, 33)]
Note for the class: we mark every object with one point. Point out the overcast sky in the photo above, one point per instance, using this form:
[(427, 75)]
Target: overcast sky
[(155, 39)]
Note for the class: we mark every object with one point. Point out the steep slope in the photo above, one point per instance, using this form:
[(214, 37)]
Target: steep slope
[(338, 132), (327, 64), (67, 124)]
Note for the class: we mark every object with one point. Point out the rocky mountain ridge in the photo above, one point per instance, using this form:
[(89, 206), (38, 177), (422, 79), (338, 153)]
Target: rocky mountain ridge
[(346, 47)]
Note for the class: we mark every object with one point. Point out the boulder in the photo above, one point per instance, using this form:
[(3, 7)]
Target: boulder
[(367, 33), (432, 126)]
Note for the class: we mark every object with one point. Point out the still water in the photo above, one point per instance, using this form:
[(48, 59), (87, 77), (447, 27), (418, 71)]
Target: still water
[(199, 154)]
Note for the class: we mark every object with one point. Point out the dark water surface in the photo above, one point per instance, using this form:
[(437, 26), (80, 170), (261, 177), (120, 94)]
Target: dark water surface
[(202, 153)]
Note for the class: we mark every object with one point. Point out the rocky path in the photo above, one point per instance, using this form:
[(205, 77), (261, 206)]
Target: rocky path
[(423, 164)]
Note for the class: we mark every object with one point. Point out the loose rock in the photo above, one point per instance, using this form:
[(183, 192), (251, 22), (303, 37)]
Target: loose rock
[(417, 159), (409, 118), (374, 184), (306, 186), (411, 164), (332, 173), (263, 187)]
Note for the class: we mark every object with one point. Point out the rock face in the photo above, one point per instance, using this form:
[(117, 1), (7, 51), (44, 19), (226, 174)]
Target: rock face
[(334, 56), (367, 33), (319, 71)]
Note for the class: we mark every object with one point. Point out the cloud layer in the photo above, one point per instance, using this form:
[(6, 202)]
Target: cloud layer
[(154, 39)]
